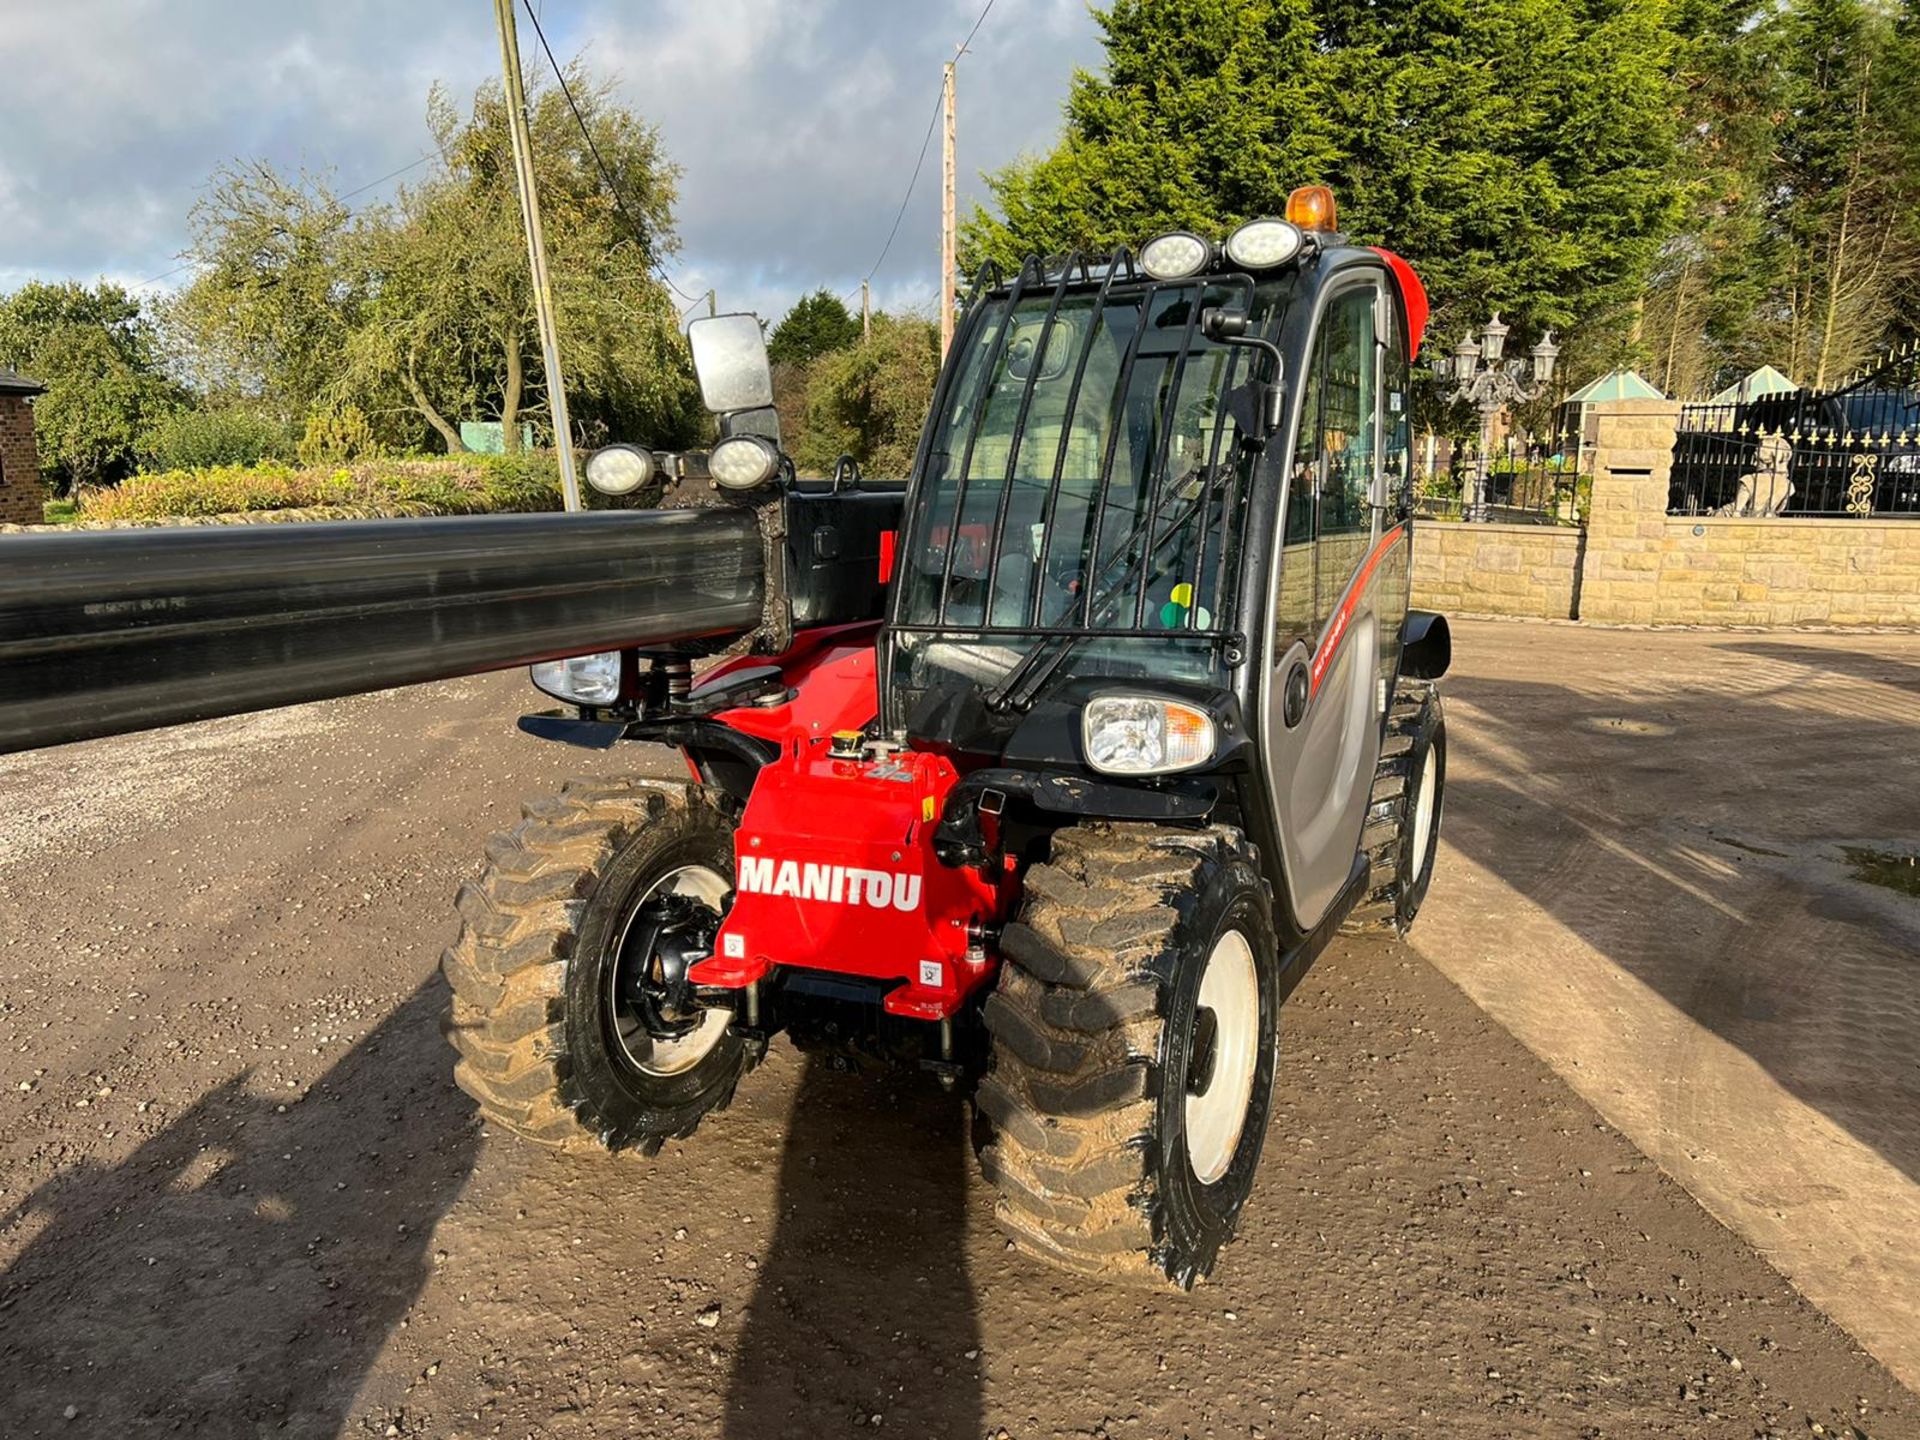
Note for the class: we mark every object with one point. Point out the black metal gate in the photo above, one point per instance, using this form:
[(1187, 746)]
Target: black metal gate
[(1852, 451)]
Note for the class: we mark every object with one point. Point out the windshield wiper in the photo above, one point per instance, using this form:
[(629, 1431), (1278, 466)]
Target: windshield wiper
[(1037, 664)]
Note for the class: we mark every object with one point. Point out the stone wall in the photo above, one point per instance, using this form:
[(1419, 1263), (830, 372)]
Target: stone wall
[(1643, 566), (1495, 569), (21, 494)]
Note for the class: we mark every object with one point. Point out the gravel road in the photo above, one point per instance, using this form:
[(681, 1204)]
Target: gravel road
[(239, 1195)]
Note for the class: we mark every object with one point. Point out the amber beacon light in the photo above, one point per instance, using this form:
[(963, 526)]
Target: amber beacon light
[(1311, 208)]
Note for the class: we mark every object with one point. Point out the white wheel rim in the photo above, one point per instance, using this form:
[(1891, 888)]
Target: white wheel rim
[(647, 1053), (1423, 815), (1230, 988)]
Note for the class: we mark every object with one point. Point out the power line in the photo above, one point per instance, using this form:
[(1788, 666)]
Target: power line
[(906, 199), (391, 175), (976, 28), (921, 160), (606, 175)]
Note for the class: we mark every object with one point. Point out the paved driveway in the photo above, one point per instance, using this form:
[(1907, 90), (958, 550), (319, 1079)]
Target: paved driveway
[(1646, 882)]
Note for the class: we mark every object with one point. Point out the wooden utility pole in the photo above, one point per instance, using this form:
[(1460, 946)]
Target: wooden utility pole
[(866, 311), (949, 258), (536, 248)]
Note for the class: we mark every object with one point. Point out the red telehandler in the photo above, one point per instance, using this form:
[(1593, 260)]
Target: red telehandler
[(1049, 773)]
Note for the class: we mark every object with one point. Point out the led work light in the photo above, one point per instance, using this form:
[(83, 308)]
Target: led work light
[(620, 469), (1263, 244), (741, 462), (1175, 255)]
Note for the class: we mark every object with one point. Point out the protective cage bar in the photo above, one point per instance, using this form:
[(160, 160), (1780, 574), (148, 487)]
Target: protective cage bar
[(1056, 274), (126, 630)]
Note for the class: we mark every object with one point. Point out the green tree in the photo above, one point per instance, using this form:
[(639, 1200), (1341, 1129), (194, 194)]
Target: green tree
[(1700, 323), (420, 313), (277, 294), (196, 438), (1517, 151), (1799, 157), (95, 349), (819, 324), (1845, 184), (451, 322)]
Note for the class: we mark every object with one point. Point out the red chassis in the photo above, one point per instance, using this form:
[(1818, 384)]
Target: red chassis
[(836, 869)]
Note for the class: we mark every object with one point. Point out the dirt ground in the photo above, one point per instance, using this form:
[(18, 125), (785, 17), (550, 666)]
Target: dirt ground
[(239, 1195)]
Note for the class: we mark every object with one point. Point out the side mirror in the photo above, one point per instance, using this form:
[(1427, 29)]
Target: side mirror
[(730, 359), (1229, 327), (764, 422)]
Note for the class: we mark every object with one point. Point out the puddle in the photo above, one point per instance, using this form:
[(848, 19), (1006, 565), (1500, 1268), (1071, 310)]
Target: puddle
[(1895, 869), (1620, 725)]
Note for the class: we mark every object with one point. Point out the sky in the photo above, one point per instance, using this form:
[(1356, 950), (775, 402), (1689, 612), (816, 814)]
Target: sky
[(796, 122)]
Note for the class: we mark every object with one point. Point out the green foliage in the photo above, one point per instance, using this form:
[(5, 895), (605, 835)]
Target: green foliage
[(226, 435), (277, 293), (870, 401), (94, 349), (419, 313), (1515, 150), (335, 433), (465, 485), (818, 325), (1801, 155)]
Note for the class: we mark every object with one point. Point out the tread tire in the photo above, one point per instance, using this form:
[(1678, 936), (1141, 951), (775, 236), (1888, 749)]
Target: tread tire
[(1091, 1028), (1416, 734), (527, 971)]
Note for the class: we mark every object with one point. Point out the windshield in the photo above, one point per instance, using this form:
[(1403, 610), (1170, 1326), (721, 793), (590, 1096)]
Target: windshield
[(1084, 479)]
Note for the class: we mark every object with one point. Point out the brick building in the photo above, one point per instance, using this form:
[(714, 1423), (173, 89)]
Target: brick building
[(20, 489)]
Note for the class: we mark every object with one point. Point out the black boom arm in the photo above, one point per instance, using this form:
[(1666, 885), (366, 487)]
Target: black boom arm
[(125, 630)]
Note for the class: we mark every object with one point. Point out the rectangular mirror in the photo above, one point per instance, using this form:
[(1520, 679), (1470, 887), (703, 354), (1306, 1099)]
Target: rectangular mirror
[(764, 422), (730, 357)]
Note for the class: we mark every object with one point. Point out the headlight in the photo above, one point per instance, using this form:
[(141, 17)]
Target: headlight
[(1144, 735), (620, 469), (1263, 244), (741, 462), (1175, 256), (581, 679)]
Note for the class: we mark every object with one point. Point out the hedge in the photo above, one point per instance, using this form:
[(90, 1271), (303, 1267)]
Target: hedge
[(453, 485)]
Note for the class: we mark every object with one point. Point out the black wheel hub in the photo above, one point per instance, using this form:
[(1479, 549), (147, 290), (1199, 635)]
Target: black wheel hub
[(668, 937), (1204, 1050)]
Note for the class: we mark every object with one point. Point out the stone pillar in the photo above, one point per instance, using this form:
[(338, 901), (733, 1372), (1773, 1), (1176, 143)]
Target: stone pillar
[(1632, 466), (21, 494)]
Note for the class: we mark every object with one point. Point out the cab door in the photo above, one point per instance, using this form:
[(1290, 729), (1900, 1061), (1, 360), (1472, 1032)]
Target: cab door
[(1322, 740)]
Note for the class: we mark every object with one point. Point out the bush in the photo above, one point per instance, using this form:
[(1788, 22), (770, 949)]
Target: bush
[(200, 439), (455, 485), (871, 400), (335, 434)]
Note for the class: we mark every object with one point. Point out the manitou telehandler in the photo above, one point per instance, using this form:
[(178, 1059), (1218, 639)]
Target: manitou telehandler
[(1049, 774)]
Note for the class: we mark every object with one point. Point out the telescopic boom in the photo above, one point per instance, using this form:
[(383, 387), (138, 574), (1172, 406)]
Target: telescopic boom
[(126, 630)]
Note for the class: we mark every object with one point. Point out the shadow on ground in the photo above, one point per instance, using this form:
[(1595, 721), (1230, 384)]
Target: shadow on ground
[(238, 1273), (1860, 664), (864, 1307), (1692, 833)]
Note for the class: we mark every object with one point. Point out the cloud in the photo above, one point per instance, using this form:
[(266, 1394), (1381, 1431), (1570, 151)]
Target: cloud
[(796, 123)]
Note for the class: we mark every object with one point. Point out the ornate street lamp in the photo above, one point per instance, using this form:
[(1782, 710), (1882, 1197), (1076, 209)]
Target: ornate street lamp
[(1480, 377)]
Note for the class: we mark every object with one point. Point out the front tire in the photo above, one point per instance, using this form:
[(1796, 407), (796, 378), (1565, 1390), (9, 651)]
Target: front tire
[(564, 1030), (1135, 1043)]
